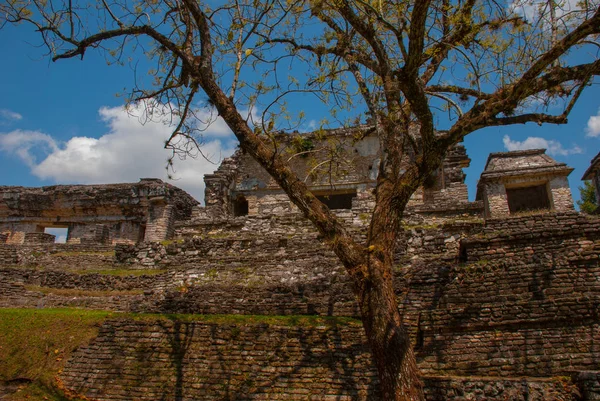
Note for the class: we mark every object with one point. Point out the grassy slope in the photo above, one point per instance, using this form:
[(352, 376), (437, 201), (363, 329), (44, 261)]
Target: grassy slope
[(35, 343)]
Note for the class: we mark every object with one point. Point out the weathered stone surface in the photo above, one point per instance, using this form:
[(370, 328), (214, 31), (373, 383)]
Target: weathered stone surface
[(352, 171), (502, 309), (513, 297), (171, 360), (95, 213), (524, 180)]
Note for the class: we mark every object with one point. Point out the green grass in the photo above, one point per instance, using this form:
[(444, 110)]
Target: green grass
[(35, 344), (106, 270), (246, 320), (168, 242), (82, 253), (121, 272), (78, 292)]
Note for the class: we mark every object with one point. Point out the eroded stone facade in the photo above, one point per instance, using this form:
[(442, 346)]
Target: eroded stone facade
[(112, 213), (497, 309), (524, 181), (340, 167)]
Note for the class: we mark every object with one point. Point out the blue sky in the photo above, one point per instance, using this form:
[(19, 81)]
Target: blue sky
[(62, 123)]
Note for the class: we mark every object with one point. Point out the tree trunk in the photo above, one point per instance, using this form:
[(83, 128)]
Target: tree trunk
[(370, 269), (389, 339)]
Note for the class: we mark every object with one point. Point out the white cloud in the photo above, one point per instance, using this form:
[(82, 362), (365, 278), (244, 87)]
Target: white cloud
[(8, 116), (593, 126), (133, 148), (22, 143), (553, 147)]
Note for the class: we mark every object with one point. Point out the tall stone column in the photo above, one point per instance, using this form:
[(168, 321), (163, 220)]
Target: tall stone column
[(159, 225)]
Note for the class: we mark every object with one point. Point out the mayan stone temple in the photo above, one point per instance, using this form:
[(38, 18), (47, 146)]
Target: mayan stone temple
[(240, 299)]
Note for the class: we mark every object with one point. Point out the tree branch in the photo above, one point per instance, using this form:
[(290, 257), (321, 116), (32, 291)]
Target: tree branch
[(92, 40)]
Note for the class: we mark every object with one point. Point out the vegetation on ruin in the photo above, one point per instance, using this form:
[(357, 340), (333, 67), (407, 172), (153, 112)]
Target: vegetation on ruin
[(35, 344), (101, 270), (82, 253), (168, 242), (422, 74), (78, 292), (120, 272)]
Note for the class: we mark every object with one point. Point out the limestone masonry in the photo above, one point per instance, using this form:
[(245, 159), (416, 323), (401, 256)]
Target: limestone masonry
[(501, 295), (144, 211)]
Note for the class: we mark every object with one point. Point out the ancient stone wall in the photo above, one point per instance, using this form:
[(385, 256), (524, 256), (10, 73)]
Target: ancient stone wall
[(508, 298), (515, 297), (524, 181), (161, 359), (126, 210), (38, 238), (58, 256), (332, 163)]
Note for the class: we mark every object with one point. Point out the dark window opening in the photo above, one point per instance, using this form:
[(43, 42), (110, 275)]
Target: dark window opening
[(528, 198), (420, 340), (462, 254), (240, 206), (141, 232), (337, 201)]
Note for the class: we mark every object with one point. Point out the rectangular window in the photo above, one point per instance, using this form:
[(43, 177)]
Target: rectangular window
[(528, 198), (337, 201), (240, 206)]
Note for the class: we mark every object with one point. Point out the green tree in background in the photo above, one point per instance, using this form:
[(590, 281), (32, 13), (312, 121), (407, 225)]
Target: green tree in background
[(588, 202)]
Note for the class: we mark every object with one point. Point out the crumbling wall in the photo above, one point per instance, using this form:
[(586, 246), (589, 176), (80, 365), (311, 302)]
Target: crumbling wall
[(514, 297), (127, 210), (525, 180), (332, 163)]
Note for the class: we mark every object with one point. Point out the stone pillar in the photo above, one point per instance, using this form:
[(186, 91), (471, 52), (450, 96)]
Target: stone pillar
[(102, 234), (496, 201), (159, 225), (596, 182), (216, 195), (96, 234), (252, 205), (561, 194)]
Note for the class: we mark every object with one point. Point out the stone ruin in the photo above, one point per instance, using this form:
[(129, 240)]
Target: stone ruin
[(341, 169), (102, 214), (524, 180), (499, 308)]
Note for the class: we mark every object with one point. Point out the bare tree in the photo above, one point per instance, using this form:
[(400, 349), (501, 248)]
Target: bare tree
[(425, 73)]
